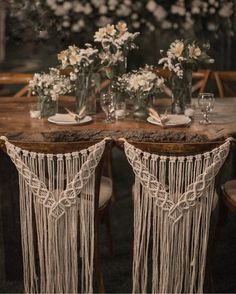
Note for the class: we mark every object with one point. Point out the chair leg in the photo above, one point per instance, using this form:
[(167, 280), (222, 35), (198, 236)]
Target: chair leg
[(97, 264), (213, 239), (108, 232), (223, 213)]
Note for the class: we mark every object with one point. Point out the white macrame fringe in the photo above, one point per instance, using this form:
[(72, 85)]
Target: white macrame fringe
[(173, 198), (57, 202)]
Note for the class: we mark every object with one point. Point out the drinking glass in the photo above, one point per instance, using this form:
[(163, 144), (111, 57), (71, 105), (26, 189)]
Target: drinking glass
[(108, 106), (120, 110), (35, 110), (206, 103)]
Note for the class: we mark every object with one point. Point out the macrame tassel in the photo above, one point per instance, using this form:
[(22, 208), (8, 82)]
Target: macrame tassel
[(172, 206), (57, 204)]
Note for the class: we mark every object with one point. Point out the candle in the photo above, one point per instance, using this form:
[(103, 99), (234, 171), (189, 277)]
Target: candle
[(35, 113)]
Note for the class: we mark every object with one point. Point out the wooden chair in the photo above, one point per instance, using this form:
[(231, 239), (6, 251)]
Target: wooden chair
[(229, 194), (17, 79), (225, 82), (172, 207), (44, 196)]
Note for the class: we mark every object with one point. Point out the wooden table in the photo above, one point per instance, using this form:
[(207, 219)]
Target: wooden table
[(16, 124)]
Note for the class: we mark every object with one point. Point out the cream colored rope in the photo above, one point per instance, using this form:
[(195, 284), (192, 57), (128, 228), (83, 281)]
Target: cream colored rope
[(173, 198), (57, 203)]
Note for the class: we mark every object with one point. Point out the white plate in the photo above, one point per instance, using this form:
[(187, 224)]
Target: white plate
[(66, 119), (173, 120)]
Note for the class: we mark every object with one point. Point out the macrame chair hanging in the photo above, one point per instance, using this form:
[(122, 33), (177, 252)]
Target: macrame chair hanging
[(173, 197), (57, 200)]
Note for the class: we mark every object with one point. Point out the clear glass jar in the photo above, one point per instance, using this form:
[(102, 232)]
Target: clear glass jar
[(47, 106), (181, 91)]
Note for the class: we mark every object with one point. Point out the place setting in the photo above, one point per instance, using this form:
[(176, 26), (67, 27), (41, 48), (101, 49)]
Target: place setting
[(167, 120), (71, 118)]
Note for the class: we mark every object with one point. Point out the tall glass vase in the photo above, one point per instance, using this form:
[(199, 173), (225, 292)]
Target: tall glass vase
[(85, 93), (181, 91)]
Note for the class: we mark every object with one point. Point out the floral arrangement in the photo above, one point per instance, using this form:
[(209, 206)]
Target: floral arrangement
[(79, 59), (115, 42), (140, 83), (50, 85), (185, 54)]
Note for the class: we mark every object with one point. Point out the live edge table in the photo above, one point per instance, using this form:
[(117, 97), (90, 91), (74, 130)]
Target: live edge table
[(17, 126)]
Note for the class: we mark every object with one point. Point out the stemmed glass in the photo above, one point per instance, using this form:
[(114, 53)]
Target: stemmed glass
[(206, 103), (108, 106)]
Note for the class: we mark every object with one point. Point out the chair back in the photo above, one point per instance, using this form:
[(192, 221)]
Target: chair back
[(199, 80), (17, 79), (173, 196), (59, 196), (225, 82)]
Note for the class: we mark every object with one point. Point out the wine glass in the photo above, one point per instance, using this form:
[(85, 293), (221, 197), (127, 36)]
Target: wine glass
[(206, 103), (108, 106)]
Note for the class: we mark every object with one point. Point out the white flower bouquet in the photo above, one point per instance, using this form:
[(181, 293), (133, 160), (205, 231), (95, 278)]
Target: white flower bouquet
[(140, 83), (83, 60), (115, 42), (185, 54), (48, 87), (182, 58)]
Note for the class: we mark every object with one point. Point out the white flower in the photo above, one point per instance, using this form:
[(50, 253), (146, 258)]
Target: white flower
[(179, 55), (121, 27), (103, 9), (73, 76), (188, 23), (66, 24), (128, 2), (110, 30), (87, 9), (177, 9), (115, 40), (151, 5), (211, 26), (194, 52), (78, 7), (176, 48), (212, 10), (50, 84), (78, 58), (226, 10), (136, 24), (166, 24), (100, 34), (140, 82), (67, 5), (160, 13)]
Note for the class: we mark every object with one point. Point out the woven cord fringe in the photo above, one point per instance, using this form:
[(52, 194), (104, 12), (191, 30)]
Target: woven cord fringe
[(57, 203), (172, 206)]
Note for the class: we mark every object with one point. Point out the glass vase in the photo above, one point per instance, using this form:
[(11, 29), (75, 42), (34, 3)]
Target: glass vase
[(47, 106), (181, 91), (140, 108), (85, 92)]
